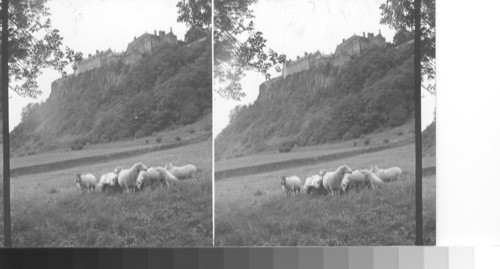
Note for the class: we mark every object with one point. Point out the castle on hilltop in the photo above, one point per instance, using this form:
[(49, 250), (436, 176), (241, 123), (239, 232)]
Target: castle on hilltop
[(135, 50), (352, 46)]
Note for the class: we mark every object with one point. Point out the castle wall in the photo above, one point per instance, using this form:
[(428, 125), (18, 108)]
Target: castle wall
[(88, 64), (132, 57), (354, 45), (295, 67), (172, 40), (144, 43)]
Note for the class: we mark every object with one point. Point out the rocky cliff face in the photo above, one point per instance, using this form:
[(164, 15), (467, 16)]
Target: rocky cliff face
[(169, 87), (278, 87), (324, 104)]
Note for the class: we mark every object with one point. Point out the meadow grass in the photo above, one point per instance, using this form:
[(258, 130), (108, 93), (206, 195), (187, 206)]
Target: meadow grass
[(253, 210), (49, 211)]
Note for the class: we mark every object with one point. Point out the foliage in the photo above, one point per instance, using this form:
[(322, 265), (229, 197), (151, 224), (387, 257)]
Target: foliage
[(399, 15), (169, 87), (285, 147), (238, 47), (79, 143), (367, 141), (317, 106), (397, 116), (198, 17), (429, 139), (34, 45)]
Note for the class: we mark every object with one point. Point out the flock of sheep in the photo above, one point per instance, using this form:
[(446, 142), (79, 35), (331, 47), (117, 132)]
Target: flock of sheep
[(135, 178), (341, 180)]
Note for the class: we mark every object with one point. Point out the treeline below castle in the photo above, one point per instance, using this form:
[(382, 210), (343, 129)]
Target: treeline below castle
[(373, 91), (170, 87)]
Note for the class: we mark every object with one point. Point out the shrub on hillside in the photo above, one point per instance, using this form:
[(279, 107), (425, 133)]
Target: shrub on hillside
[(367, 141), (79, 143), (178, 138), (285, 147), (356, 131), (386, 140), (189, 113), (159, 139), (347, 136), (397, 116)]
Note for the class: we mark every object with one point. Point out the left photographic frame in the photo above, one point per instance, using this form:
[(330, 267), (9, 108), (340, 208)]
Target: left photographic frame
[(110, 124)]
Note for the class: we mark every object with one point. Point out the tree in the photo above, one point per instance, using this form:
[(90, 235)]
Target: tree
[(399, 15), (238, 47), (34, 45)]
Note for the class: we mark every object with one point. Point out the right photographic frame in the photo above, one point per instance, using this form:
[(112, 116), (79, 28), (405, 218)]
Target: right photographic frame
[(324, 123)]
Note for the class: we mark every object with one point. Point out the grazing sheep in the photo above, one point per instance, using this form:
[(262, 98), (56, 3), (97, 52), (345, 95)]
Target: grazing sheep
[(117, 170), (85, 182), (314, 184), (110, 180), (181, 172), (332, 180), (154, 176), (358, 179), (127, 178), (291, 184), (389, 174)]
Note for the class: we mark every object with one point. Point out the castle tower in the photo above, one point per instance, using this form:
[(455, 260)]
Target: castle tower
[(170, 38)]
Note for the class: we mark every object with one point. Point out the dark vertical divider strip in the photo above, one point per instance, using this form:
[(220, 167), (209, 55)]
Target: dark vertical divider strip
[(418, 130), (4, 78)]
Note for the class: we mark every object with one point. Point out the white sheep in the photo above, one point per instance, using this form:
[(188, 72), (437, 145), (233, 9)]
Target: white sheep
[(313, 183), (291, 184), (127, 178), (109, 180), (360, 178), (85, 182), (117, 170), (332, 180), (389, 174), (181, 172), (154, 176)]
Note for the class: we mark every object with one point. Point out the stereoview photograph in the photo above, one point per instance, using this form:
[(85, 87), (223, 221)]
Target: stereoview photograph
[(315, 133), (111, 124)]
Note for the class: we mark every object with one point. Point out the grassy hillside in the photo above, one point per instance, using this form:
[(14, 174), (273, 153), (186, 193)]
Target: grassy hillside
[(429, 140), (48, 210), (253, 210), (373, 91), (167, 88)]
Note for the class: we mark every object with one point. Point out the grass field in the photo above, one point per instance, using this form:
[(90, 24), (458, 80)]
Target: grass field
[(395, 135), (63, 153), (253, 210), (48, 210)]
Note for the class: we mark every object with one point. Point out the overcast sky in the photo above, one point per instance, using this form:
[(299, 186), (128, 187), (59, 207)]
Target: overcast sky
[(91, 25), (293, 27)]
